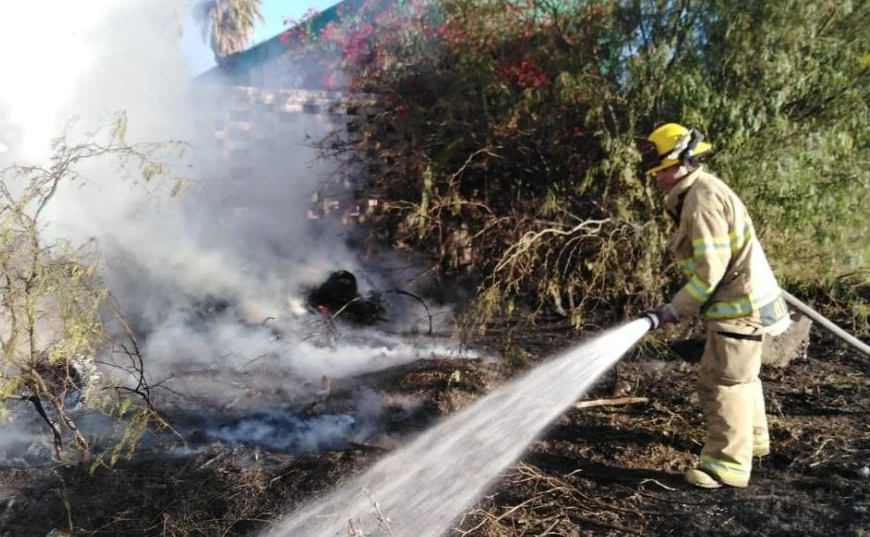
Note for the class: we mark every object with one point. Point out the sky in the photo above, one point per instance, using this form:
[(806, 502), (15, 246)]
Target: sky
[(198, 53)]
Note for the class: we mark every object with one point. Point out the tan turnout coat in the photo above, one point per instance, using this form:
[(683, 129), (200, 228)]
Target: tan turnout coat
[(716, 248)]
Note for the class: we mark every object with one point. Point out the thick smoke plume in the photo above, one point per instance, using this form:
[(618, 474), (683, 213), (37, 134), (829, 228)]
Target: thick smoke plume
[(244, 241)]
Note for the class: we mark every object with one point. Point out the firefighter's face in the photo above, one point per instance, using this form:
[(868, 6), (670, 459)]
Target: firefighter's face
[(667, 178)]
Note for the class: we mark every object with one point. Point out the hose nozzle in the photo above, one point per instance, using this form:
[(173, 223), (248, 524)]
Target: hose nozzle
[(653, 317)]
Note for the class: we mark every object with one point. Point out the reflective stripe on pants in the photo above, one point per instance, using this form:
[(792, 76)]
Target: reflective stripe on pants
[(731, 398)]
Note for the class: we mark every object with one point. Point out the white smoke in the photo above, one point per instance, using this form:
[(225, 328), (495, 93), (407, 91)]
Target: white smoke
[(164, 256), (43, 56)]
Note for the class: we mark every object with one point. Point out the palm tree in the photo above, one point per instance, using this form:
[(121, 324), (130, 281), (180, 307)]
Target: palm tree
[(228, 25)]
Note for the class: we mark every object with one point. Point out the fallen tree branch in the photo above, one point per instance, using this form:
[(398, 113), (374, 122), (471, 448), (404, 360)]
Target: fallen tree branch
[(611, 402)]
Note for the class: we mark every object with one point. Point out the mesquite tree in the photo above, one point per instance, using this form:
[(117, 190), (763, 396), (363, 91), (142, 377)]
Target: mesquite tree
[(51, 333)]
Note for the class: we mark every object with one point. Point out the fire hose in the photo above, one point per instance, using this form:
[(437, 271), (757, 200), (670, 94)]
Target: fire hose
[(824, 322)]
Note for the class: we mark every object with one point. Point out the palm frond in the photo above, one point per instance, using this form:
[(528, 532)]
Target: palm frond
[(228, 25)]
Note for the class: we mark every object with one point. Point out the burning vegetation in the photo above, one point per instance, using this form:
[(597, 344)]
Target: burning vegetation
[(338, 297)]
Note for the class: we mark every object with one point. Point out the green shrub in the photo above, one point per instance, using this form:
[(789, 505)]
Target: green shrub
[(509, 131)]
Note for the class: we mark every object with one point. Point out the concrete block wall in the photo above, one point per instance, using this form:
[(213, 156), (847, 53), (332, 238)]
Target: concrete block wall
[(251, 124)]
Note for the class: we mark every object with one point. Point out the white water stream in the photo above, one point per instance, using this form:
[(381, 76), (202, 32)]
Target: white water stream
[(420, 489)]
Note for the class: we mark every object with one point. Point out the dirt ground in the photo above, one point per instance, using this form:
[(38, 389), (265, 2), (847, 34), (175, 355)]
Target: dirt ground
[(605, 470)]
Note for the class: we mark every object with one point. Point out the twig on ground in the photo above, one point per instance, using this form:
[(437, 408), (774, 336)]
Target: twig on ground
[(219, 456), (501, 516), (657, 482), (611, 402), (818, 451), (252, 360)]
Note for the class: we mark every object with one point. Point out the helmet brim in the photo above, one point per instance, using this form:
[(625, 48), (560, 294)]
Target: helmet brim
[(700, 149)]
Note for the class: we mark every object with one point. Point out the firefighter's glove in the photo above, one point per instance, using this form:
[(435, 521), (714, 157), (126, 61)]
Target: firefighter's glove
[(662, 315)]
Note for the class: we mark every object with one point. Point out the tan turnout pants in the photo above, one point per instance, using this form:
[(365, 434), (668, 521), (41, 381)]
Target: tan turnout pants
[(732, 400)]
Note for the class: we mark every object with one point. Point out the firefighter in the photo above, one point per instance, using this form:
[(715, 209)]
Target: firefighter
[(732, 287)]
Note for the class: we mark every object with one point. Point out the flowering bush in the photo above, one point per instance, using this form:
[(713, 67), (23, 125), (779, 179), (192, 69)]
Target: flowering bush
[(519, 117)]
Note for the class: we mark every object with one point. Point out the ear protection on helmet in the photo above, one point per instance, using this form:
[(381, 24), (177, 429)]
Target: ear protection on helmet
[(669, 145)]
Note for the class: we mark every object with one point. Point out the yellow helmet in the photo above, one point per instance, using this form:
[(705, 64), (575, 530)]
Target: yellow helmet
[(669, 145)]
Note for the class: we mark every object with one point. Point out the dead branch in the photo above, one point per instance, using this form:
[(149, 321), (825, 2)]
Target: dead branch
[(142, 387), (342, 309), (153, 385), (210, 461), (506, 513), (418, 299), (70, 424), (529, 239), (257, 359), (488, 151), (611, 402), (328, 332), (55, 430), (657, 482), (39, 385)]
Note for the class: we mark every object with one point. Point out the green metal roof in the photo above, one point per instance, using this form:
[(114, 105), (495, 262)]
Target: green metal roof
[(275, 47), (237, 65)]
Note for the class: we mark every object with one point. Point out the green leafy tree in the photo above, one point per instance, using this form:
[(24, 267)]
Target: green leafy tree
[(228, 25), (783, 91)]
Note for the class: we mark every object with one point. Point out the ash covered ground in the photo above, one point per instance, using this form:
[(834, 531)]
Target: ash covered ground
[(596, 471)]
